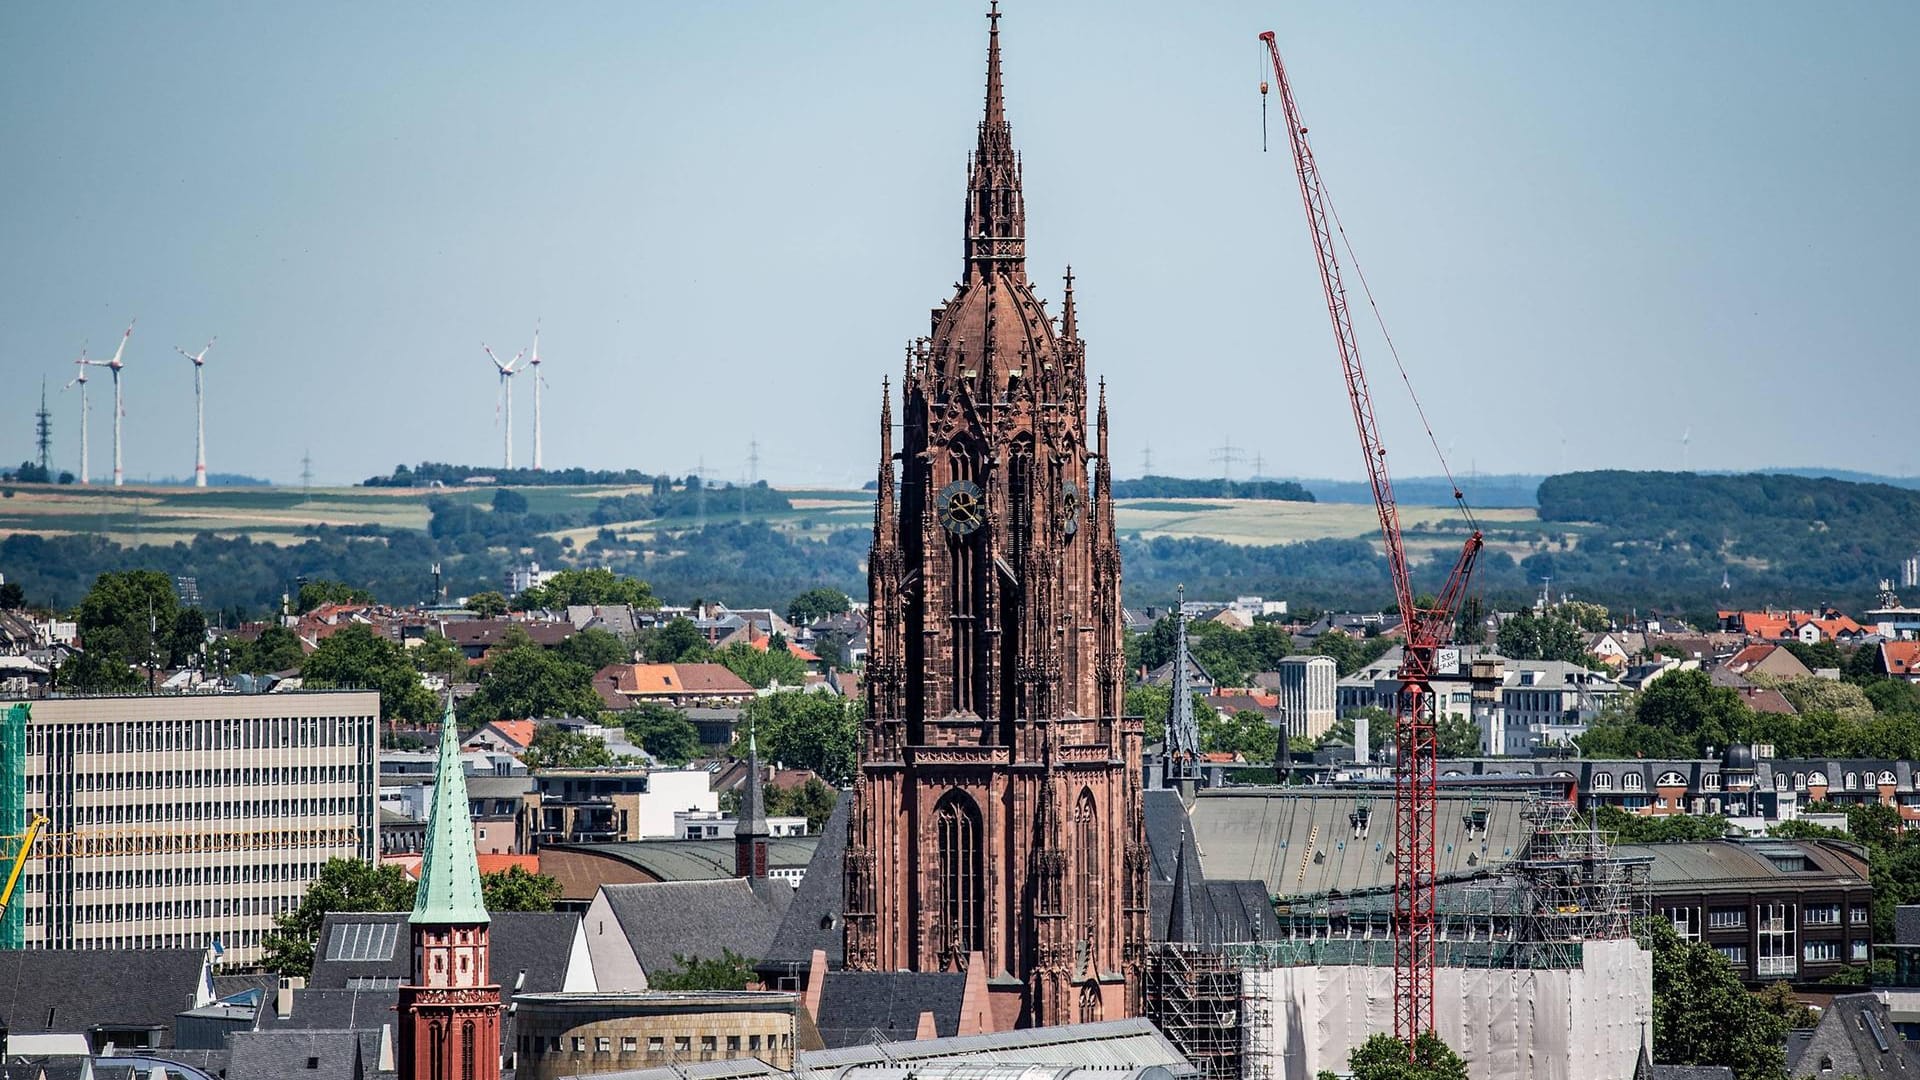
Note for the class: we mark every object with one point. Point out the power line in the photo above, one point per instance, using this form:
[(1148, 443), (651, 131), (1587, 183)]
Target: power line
[(1226, 456)]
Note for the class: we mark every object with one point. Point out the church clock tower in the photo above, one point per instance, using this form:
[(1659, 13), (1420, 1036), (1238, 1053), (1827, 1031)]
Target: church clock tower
[(997, 815)]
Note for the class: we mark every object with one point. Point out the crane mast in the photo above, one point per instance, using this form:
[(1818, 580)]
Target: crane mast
[(1425, 629)]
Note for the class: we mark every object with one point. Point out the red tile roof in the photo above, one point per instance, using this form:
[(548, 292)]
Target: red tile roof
[(1900, 658)]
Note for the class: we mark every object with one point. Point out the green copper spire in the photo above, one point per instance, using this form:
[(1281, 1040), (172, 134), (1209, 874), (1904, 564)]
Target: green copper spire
[(449, 890)]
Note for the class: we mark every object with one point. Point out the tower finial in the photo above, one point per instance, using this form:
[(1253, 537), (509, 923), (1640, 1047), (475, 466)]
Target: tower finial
[(1100, 425), (1069, 321), (996, 213), (996, 107)]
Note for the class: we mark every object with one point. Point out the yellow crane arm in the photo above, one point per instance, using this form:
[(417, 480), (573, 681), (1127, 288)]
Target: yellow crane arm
[(20, 861)]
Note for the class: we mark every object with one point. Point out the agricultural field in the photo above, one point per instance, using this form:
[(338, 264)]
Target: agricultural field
[(157, 515)]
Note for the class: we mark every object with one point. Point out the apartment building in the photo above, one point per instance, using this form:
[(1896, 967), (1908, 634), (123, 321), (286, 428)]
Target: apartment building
[(183, 821)]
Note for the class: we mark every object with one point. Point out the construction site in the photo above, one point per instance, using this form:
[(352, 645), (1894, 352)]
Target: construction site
[(1536, 964)]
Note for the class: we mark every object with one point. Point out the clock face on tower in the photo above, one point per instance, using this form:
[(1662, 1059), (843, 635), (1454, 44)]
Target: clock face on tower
[(1070, 508), (960, 509)]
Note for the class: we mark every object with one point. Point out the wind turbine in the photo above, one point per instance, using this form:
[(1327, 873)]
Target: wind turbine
[(534, 363), (506, 394), (199, 412), (81, 380), (119, 410)]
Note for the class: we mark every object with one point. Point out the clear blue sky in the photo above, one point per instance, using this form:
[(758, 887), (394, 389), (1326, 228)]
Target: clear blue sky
[(1591, 227)]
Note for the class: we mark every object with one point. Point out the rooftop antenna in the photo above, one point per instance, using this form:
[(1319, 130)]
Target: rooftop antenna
[(43, 432), (538, 380), (507, 373), (81, 380), (199, 411), (119, 408)]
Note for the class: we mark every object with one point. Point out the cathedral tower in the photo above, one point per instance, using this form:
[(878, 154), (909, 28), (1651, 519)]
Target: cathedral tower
[(997, 815), (450, 1008)]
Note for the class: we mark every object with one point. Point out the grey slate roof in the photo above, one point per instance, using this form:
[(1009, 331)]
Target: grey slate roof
[(854, 1004), (696, 860), (1855, 1038), (81, 989), (1690, 1072), (332, 1010), (1906, 924), (313, 1055), (1116, 1047), (693, 918), (536, 943), (1300, 842), (813, 920), (1183, 905)]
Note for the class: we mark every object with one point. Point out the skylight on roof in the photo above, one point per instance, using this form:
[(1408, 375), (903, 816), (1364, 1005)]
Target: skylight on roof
[(363, 941)]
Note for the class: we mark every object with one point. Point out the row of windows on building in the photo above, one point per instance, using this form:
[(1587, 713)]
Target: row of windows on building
[(1633, 781), (226, 810), (113, 914), (1814, 952), (1686, 920), (167, 877), (656, 1044), (182, 779), (231, 733), (230, 940)]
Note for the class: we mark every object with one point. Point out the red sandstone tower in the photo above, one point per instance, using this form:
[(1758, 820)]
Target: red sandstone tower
[(997, 815), (450, 1010)]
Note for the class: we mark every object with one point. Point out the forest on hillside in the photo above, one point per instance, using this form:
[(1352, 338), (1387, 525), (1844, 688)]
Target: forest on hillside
[(1666, 539)]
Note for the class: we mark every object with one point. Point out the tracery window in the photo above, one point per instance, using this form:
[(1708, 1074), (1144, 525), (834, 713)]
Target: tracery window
[(957, 828)]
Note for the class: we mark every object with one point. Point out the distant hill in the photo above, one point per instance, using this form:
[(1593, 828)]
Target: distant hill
[(1669, 537), (1503, 490), (1177, 487)]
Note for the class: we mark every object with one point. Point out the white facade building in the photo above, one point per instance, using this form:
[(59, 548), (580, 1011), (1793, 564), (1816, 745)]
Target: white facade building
[(186, 821), (1307, 691)]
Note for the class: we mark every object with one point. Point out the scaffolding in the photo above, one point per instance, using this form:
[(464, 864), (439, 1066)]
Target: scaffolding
[(13, 811), (1193, 997), (1571, 885)]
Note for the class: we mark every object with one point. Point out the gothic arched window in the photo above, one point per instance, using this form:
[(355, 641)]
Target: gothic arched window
[(1086, 853), (962, 888), (466, 1051)]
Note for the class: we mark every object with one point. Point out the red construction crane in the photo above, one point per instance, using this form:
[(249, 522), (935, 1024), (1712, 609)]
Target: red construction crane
[(1425, 628)]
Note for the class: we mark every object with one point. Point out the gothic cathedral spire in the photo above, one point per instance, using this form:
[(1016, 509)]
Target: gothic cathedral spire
[(997, 816)]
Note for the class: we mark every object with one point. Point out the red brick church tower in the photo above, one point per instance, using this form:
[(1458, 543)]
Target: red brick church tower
[(997, 815), (450, 1008)]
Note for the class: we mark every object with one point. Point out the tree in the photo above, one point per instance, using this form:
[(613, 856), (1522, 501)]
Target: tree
[(1778, 998), (342, 885), (730, 971), (593, 586), (558, 748), (509, 501), (438, 655), (678, 642), (594, 648), (817, 603), (1380, 724), (1383, 1057), (1680, 715), (1550, 635), (276, 649), (1702, 1015), (487, 605), (129, 616), (1348, 654), (13, 596), (1457, 735), (94, 673), (354, 656), (812, 800), (315, 594), (805, 731), (762, 668), (666, 735), (524, 681), (514, 889), (1246, 733)]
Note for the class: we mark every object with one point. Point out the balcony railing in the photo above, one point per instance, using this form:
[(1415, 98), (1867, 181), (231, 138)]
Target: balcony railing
[(1767, 966)]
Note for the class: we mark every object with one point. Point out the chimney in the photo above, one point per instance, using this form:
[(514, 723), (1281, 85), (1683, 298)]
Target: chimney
[(283, 994)]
